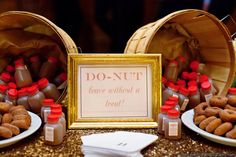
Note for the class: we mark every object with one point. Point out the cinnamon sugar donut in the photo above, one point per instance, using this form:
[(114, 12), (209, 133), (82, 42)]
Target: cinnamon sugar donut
[(200, 109), (206, 121), (228, 115), (231, 133), (230, 107), (218, 101), (223, 128), (213, 125), (212, 111), (199, 119)]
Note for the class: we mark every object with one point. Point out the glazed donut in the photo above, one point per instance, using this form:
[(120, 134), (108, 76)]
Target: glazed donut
[(212, 111), (232, 101), (213, 125), (199, 119), (206, 121), (231, 133), (230, 107), (223, 128), (228, 115), (218, 101), (200, 109)]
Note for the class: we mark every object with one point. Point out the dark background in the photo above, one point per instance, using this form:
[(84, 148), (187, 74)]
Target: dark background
[(106, 25)]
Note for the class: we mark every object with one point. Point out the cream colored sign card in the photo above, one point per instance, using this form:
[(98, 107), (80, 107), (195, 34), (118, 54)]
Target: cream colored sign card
[(114, 91)]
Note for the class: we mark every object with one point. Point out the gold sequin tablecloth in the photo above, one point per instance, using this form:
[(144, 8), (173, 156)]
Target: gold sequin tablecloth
[(191, 144)]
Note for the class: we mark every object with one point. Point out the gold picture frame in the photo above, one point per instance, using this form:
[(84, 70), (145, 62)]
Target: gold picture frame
[(113, 90)]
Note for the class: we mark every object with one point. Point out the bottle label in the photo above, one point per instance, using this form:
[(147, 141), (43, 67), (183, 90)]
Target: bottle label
[(45, 115), (184, 105), (49, 134), (9, 102), (208, 97), (173, 128), (163, 123), (175, 95)]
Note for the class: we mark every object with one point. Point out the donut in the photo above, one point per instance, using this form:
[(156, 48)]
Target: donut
[(206, 121), (16, 107), (7, 118), (218, 101), (200, 109), (19, 111), (223, 128), (4, 107), (22, 124), (230, 107), (232, 100), (199, 119), (213, 125), (228, 115), (14, 129), (212, 111), (231, 133), (27, 118), (5, 132)]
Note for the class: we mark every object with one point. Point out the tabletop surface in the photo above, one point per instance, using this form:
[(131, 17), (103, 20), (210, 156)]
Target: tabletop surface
[(191, 144)]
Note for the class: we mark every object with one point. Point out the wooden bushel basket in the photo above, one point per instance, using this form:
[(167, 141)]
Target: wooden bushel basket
[(22, 22), (214, 39)]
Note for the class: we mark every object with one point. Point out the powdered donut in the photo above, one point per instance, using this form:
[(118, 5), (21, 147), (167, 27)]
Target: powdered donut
[(223, 128), (199, 119), (231, 133), (200, 109), (228, 115), (206, 121), (230, 107), (212, 111), (213, 125), (218, 101)]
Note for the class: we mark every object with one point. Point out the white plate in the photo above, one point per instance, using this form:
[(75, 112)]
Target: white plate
[(187, 119), (35, 124)]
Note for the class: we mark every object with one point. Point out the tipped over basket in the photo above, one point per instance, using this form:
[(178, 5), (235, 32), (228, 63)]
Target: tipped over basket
[(213, 37)]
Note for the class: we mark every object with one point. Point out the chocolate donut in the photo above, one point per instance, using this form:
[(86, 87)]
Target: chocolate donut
[(218, 101)]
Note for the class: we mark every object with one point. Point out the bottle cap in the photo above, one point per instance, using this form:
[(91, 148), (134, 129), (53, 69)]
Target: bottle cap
[(42, 83), (192, 76), (206, 86), (22, 92), (165, 108), (164, 80), (12, 93), (48, 102), (19, 66), (182, 59), (19, 61), (34, 59), (52, 59), (174, 99), (12, 85), (63, 76), (184, 91), (5, 77), (3, 88), (192, 90), (10, 69), (181, 83), (170, 103), (192, 83), (32, 90), (185, 75), (194, 65), (173, 113), (203, 78), (232, 91), (52, 118), (56, 112), (56, 106)]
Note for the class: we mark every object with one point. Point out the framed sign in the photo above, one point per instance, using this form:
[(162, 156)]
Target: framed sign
[(113, 91)]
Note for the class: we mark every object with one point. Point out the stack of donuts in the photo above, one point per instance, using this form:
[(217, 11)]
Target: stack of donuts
[(217, 117), (13, 120)]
